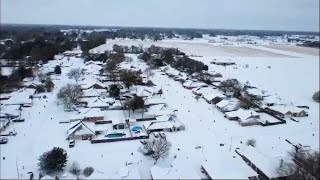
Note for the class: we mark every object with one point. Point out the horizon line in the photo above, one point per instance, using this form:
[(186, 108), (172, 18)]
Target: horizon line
[(117, 26)]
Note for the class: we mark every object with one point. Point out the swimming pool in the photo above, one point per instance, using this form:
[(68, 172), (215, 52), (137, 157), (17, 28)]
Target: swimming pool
[(136, 128), (115, 135)]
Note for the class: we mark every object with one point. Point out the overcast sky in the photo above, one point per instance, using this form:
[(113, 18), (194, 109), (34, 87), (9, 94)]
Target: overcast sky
[(219, 14)]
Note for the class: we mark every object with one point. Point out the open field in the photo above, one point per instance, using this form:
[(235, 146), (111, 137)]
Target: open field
[(297, 49), (196, 47)]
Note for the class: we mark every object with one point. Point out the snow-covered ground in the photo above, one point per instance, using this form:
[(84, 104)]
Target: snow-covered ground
[(292, 76)]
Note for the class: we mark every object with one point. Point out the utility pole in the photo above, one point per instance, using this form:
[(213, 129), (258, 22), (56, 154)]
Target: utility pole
[(230, 144), (17, 169)]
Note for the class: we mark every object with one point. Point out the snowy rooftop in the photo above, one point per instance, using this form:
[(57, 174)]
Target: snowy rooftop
[(228, 102), (227, 166), (93, 92), (20, 97), (267, 164), (242, 114), (286, 108)]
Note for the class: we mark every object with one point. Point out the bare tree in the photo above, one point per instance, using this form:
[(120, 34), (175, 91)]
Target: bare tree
[(129, 77), (251, 142), (155, 148), (316, 96), (303, 164), (149, 73), (42, 76), (76, 73), (75, 169), (69, 95), (49, 85)]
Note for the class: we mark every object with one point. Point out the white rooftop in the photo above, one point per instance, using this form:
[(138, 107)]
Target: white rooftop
[(227, 166)]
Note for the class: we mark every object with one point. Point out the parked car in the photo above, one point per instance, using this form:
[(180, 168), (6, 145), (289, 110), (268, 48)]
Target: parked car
[(3, 140), (162, 135), (12, 133), (155, 134), (71, 143)]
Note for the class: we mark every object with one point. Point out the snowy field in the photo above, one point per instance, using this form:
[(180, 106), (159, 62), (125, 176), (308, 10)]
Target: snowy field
[(293, 76), (298, 49), (199, 47)]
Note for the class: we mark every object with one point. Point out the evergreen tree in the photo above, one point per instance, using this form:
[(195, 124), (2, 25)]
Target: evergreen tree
[(53, 161)]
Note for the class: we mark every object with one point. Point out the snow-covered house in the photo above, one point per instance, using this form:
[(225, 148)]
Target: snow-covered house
[(287, 111), (100, 102), (181, 77), (261, 163), (93, 92), (144, 91), (5, 96), (10, 111), (189, 84), (272, 100), (96, 85), (253, 92), (21, 97), (244, 117), (164, 123), (226, 166), (227, 105), (119, 123), (90, 114), (79, 129), (213, 97), (203, 90)]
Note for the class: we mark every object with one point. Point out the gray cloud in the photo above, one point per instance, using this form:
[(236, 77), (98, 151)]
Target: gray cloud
[(223, 14)]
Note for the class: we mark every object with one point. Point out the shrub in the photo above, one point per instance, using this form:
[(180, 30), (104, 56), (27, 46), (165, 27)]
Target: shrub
[(49, 85), (155, 148), (40, 89), (88, 171), (53, 161), (251, 142), (114, 91), (316, 96), (75, 169), (57, 69)]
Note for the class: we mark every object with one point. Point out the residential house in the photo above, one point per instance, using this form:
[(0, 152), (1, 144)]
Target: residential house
[(213, 97), (119, 123), (93, 92), (164, 123), (90, 114), (287, 111), (227, 105), (189, 84), (226, 165), (21, 97), (100, 102), (244, 117), (95, 85), (80, 130), (262, 164)]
